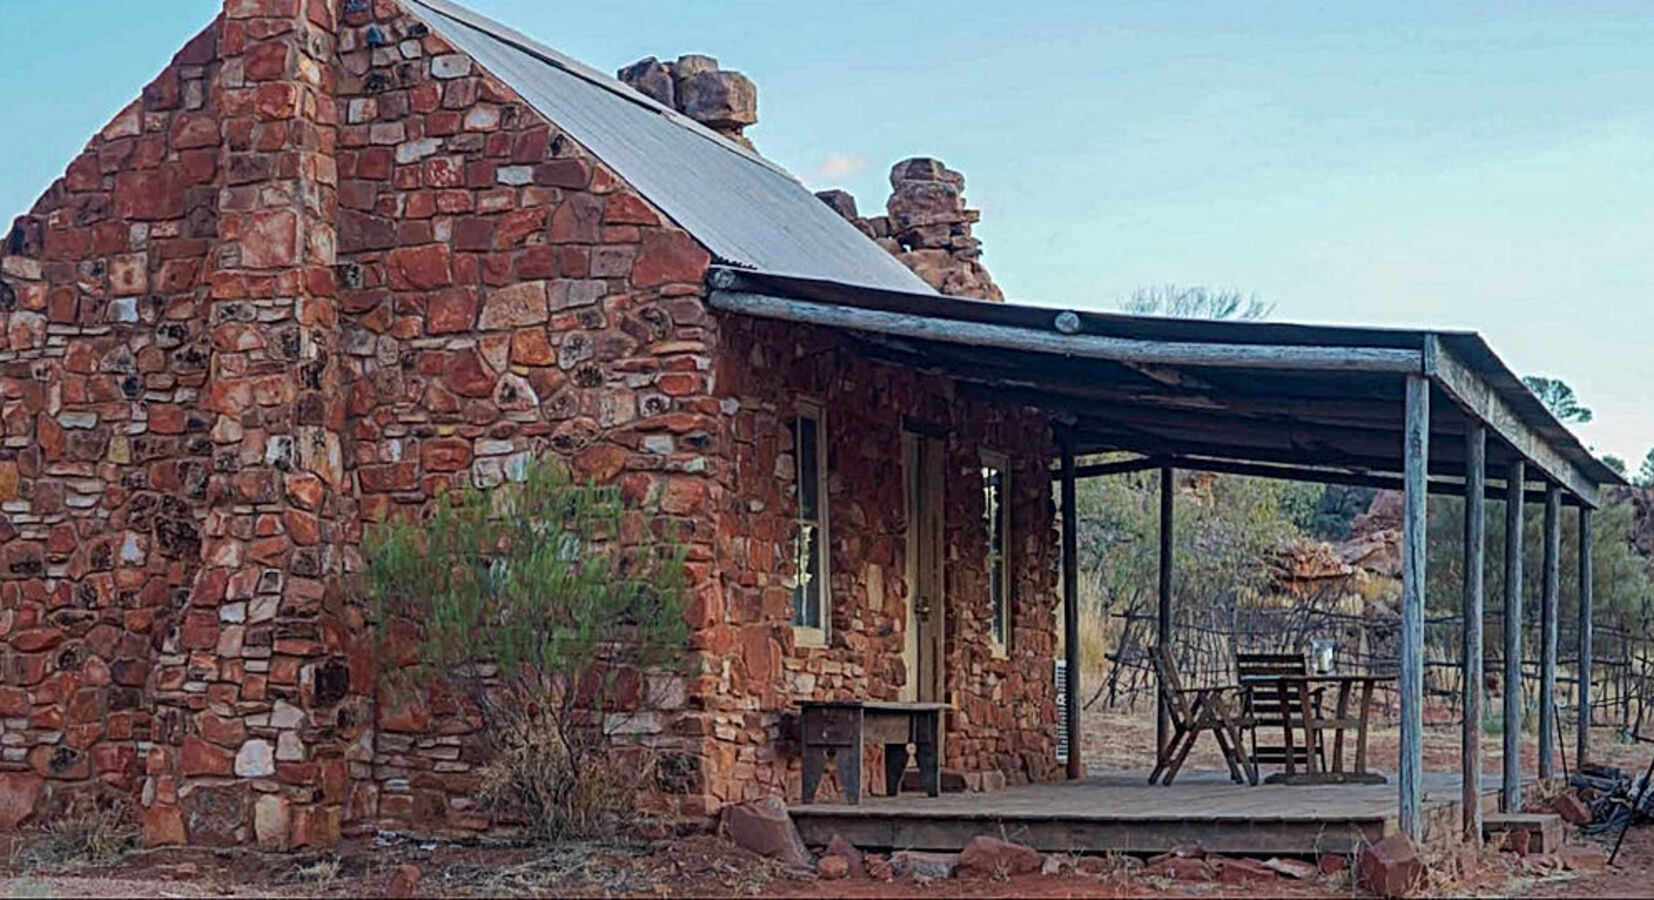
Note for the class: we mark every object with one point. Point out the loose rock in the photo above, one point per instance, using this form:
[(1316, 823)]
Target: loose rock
[(1244, 871), (1572, 810), (838, 846), (1293, 868), (985, 856), (924, 866), (832, 868), (764, 827), (1391, 867), (404, 882)]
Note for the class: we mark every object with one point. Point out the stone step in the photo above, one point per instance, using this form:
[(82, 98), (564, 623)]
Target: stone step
[(1546, 830)]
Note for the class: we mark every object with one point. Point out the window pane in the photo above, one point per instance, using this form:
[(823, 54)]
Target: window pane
[(805, 450), (993, 481), (807, 593), (997, 591)]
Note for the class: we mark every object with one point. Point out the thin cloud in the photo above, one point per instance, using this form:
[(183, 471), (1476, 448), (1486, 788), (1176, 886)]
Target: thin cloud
[(839, 165)]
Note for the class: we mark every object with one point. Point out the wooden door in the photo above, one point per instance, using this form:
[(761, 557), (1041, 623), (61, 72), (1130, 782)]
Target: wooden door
[(926, 596)]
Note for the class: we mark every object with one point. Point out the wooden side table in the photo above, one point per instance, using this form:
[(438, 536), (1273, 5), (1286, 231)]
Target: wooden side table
[(839, 729)]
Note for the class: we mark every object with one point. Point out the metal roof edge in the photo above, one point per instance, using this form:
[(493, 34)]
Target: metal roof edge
[(502, 32)]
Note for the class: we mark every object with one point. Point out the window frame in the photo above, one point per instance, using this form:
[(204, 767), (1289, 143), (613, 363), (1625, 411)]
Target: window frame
[(811, 635), (993, 460)]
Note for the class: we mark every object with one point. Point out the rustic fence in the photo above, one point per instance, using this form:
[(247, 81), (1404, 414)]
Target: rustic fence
[(1206, 637)]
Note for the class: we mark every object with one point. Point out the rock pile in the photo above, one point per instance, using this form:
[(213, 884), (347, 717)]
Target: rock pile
[(723, 100), (928, 227)]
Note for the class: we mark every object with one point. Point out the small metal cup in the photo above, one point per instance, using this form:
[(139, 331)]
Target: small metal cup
[(1322, 652)]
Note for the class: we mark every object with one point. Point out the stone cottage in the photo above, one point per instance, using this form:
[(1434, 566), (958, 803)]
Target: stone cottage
[(344, 255)]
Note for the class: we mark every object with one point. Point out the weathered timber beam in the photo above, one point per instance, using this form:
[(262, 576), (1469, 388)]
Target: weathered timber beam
[(1471, 391), (1217, 435), (1071, 609), (1549, 601), (1283, 411), (1510, 785), (1474, 686), (1414, 534), (1087, 346), (1163, 610), (1118, 467), (1587, 545)]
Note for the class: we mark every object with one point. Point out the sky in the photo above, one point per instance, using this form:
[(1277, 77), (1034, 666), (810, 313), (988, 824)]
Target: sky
[(1470, 165)]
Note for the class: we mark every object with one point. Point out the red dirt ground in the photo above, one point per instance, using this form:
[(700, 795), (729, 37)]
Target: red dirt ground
[(701, 865)]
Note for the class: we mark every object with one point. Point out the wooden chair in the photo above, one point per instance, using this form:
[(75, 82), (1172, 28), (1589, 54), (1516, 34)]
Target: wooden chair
[(1220, 710), (1277, 708)]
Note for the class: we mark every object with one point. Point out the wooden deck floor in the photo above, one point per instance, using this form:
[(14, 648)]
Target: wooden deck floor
[(1121, 812)]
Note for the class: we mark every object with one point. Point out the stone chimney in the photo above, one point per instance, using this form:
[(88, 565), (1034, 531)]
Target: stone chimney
[(722, 100), (928, 227)]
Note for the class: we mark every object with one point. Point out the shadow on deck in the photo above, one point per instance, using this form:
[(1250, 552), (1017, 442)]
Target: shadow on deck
[(1121, 812)]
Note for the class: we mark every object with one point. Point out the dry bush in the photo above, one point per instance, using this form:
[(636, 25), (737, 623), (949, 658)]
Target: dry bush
[(97, 835), (561, 779)]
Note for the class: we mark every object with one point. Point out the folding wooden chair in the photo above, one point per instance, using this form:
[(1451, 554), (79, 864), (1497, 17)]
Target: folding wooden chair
[(1277, 708), (1220, 710)]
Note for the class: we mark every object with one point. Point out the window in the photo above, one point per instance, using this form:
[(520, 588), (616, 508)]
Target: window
[(997, 521), (810, 608)]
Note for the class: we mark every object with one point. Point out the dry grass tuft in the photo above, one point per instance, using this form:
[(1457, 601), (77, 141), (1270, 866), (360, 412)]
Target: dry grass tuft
[(103, 834)]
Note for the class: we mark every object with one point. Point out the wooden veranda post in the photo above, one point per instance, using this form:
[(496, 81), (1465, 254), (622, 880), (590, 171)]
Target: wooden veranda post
[(1510, 785), (1416, 503), (1475, 544), (1586, 651), (1548, 602), (1163, 613), (1071, 607)]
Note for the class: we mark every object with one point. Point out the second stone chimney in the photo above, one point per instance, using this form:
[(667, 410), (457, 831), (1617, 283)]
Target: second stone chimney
[(928, 227), (723, 100)]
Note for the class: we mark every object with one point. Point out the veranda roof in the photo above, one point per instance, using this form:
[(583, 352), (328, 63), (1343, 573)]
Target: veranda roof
[(1316, 402)]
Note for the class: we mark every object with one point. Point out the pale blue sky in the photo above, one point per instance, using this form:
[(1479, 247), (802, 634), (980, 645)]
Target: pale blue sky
[(1488, 166)]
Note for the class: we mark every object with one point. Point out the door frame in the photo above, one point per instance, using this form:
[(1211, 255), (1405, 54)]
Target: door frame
[(924, 455)]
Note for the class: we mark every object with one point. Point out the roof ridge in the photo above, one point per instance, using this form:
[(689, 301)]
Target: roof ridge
[(469, 18)]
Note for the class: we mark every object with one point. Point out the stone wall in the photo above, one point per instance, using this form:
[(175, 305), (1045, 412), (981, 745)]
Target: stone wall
[(504, 295), (105, 472), (326, 270), (1006, 711)]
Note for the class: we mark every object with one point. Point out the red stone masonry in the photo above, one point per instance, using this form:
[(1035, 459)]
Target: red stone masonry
[(327, 269)]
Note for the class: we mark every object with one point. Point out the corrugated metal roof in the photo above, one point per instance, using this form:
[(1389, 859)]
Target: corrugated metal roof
[(746, 210)]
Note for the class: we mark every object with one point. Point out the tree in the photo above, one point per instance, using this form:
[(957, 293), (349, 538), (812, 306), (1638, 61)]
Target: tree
[(1559, 398), (1645, 472), (534, 602), (1196, 302), (1615, 463)]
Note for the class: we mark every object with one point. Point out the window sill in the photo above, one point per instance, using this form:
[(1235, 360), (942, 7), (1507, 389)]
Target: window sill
[(1000, 651), (814, 638)]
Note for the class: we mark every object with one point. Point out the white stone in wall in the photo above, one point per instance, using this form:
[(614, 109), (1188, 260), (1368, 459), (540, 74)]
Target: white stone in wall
[(255, 759)]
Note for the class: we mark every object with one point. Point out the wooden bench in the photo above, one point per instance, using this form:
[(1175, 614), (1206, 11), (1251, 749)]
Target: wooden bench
[(839, 729)]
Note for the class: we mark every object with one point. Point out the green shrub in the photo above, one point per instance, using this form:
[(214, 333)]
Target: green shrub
[(551, 607)]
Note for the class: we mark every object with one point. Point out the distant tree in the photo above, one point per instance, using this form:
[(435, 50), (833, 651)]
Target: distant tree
[(1645, 472), (1615, 463), (1177, 302), (1334, 509), (1559, 398)]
